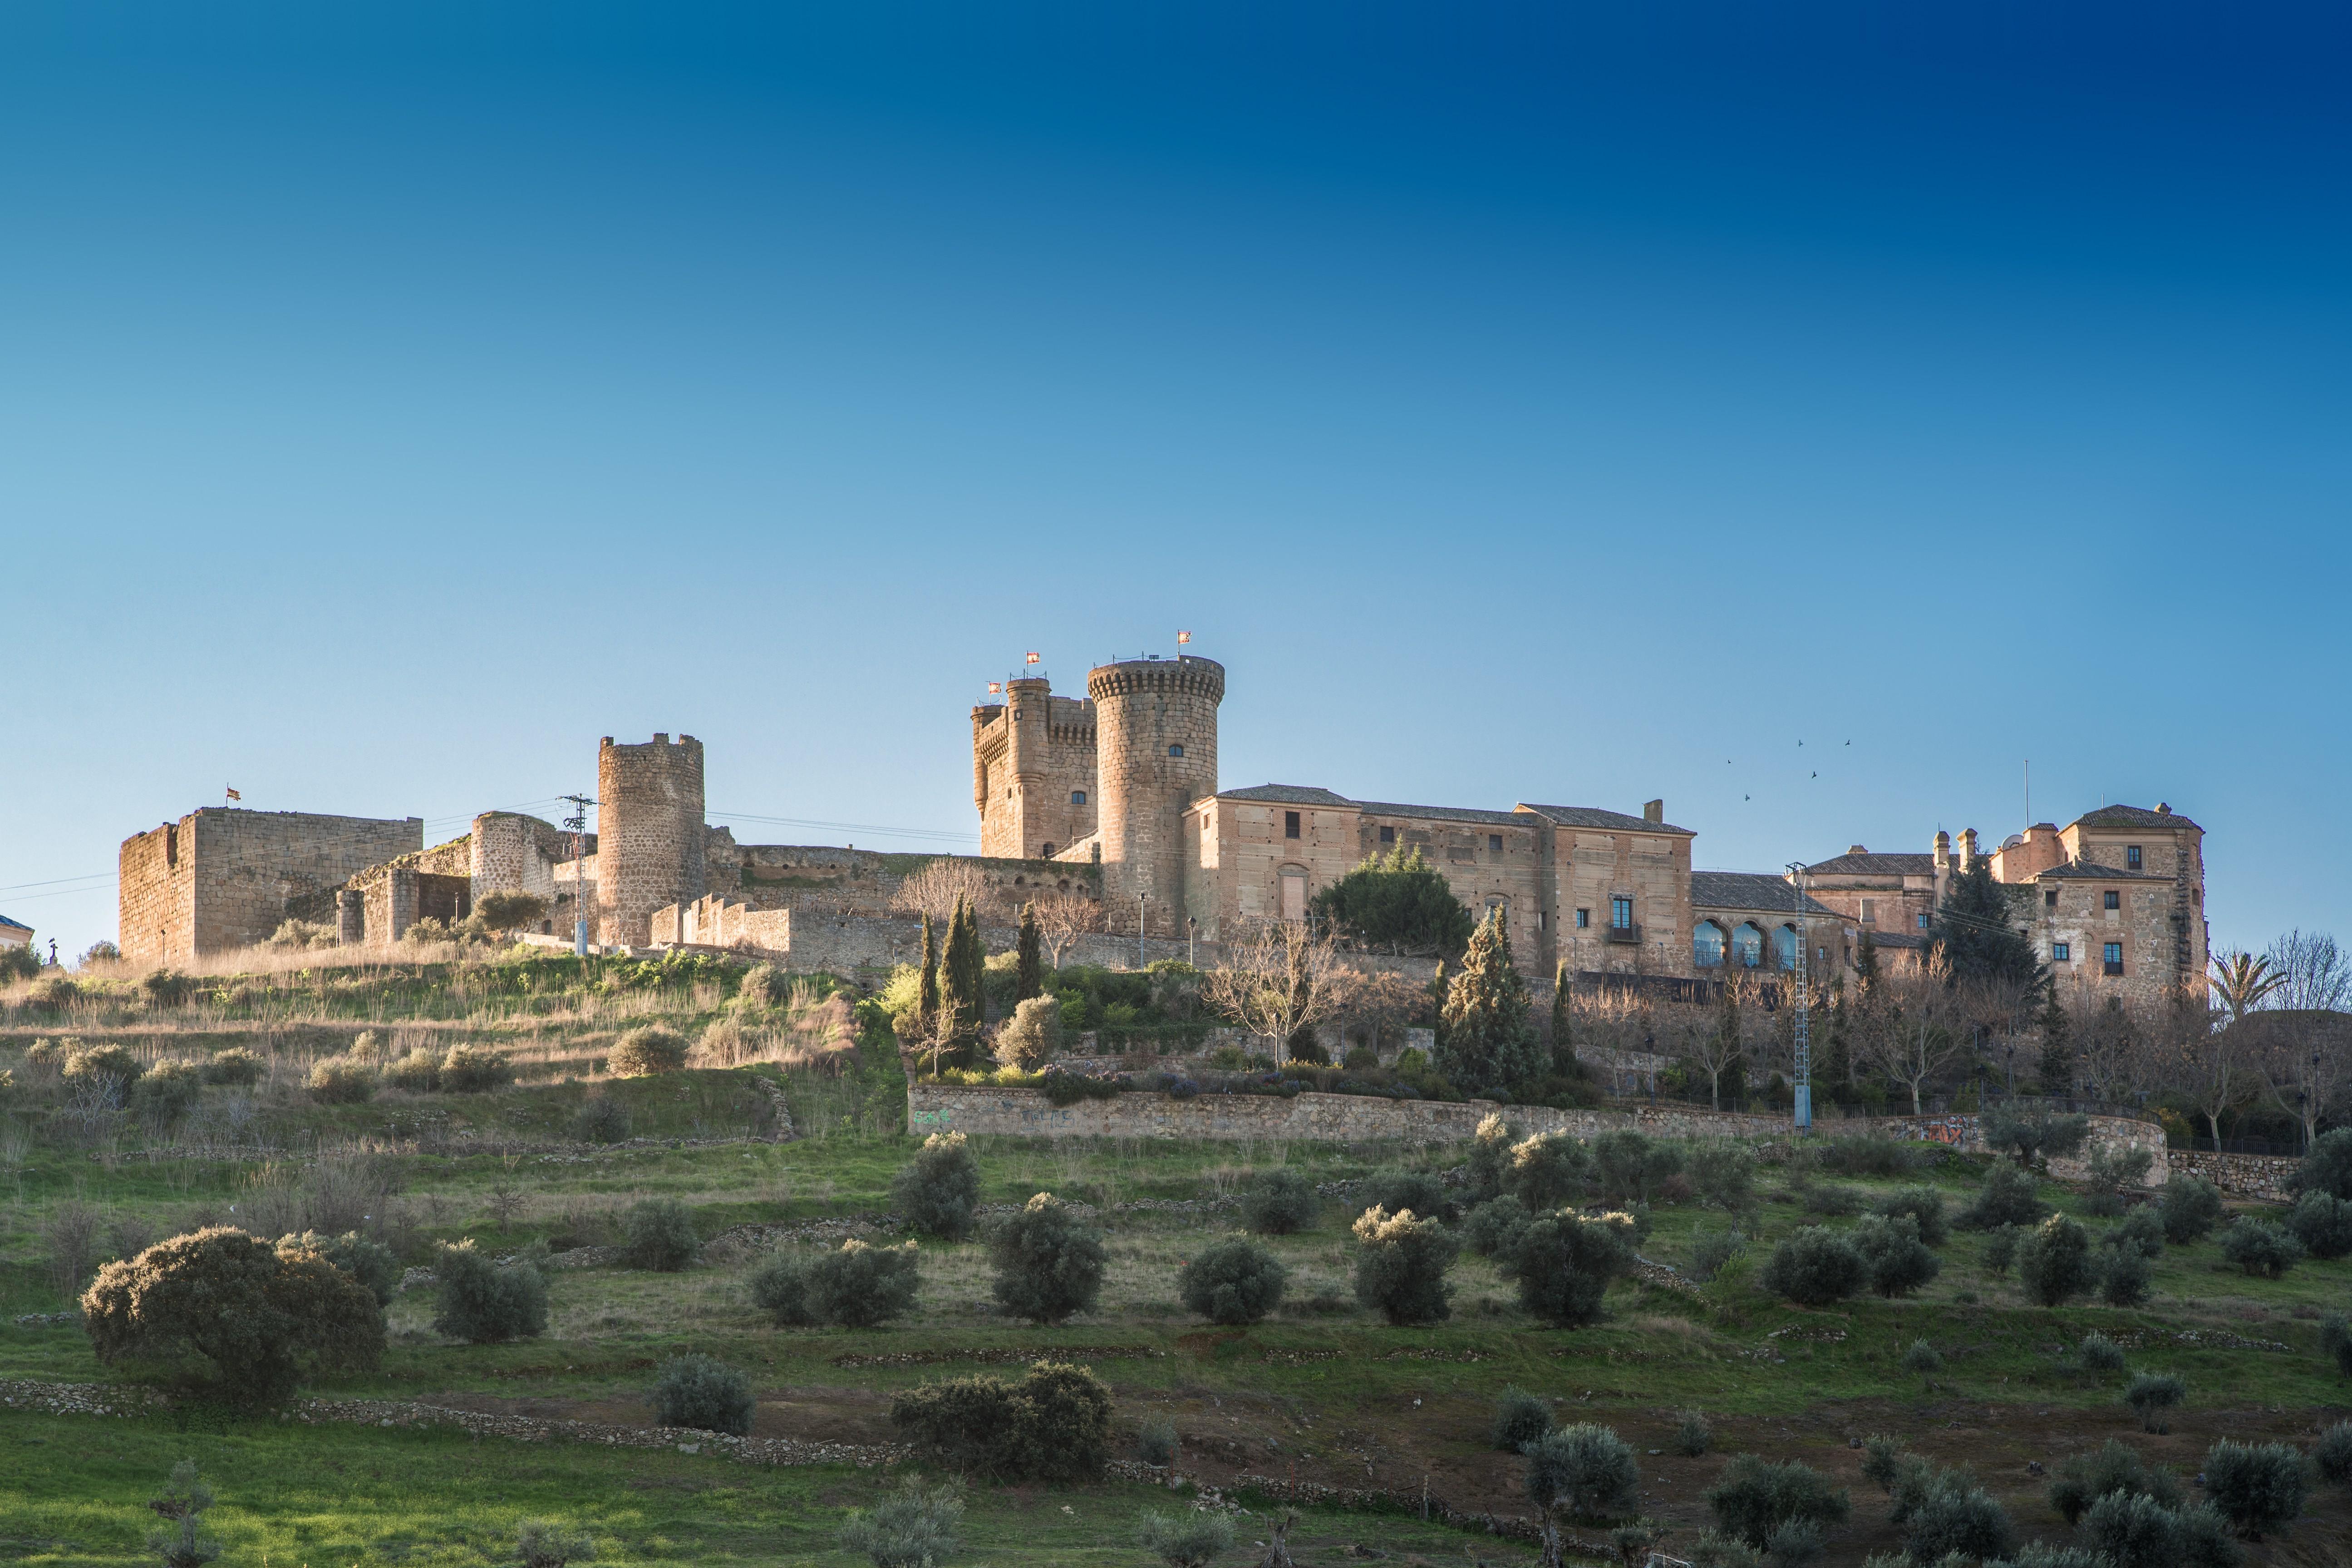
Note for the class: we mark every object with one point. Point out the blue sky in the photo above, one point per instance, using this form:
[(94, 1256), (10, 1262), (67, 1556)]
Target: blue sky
[(1575, 404)]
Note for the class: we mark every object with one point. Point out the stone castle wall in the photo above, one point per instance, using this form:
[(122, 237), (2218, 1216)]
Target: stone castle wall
[(1034, 771), (2265, 1176), (1156, 746), (223, 877), (651, 840)]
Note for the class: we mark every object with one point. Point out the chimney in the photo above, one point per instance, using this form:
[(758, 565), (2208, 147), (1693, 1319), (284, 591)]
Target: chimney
[(1967, 848), (1943, 850), (1655, 811), (2164, 809), (1855, 849)]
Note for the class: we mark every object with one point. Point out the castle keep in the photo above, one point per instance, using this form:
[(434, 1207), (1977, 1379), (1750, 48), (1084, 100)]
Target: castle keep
[(1115, 798)]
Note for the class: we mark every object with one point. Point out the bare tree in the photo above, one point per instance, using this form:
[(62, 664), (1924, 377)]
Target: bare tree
[(1382, 1004), (2209, 1059), (2304, 1051), (1275, 981), (1061, 917), (934, 889), (1912, 1030)]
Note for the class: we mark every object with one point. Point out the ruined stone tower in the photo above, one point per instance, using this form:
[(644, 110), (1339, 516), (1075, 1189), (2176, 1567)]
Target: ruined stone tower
[(649, 833), (1156, 753)]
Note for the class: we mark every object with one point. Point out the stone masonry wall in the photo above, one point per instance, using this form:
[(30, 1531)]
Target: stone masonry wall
[(2264, 1176), (1146, 712), (650, 835), (222, 877)]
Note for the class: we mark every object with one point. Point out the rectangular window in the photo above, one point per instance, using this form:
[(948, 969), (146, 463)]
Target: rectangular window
[(1293, 896), (1583, 919), (2115, 958), (1543, 919), (1077, 797), (2062, 953), (1388, 834), (1494, 843), (1620, 913), (1923, 920), (2114, 899), (1868, 905), (2131, 857), (2049, 897), (1290, 825)]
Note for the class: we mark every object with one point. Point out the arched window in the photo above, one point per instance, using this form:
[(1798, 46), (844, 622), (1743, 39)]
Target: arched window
[(1077, 797), (1048, 855), (1176, 751), (1707, 944), (1748, 945), (1784, 947)]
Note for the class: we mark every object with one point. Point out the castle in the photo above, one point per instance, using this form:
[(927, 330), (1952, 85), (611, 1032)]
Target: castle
[(1116, 798)]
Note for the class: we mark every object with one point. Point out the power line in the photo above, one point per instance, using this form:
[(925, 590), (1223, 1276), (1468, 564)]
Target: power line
[(53, 881)]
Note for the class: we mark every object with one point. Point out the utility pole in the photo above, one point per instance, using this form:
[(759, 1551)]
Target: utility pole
[(578, 823), (1139, 933), (1803, 1094)]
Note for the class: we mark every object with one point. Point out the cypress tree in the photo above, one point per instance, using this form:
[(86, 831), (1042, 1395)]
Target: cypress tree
[(1437, 1008), (959, 989), (1563, 1043), (2056, 1069), (973, 961), (1974, 931), (1837, 1053), (927, 1002), (1490, 1039), (1031, 977), (1865, 961)]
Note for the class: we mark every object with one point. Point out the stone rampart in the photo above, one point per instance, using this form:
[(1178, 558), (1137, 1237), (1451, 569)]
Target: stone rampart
[(2264, 1177), (1966, 1133), (224, 878)]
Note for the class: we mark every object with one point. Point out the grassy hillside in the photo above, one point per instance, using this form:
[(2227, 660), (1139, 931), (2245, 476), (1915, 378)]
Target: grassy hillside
[(1324, 1394)]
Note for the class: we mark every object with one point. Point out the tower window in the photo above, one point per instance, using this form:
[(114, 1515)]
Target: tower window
[(1494, 843), (1049, 855), (1077, 797), (2112, 899), (1583, 919), (1177, 749), (1923, 920), (1620, 913), (2131, 857), (2062, 953), (1290, 825), (2115, 958), (1388, 834)]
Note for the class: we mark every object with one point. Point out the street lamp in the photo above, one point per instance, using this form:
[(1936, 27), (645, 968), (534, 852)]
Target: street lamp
[(2012, 1092)]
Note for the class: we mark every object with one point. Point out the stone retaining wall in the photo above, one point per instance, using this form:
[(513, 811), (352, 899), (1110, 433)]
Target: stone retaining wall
[(1965, 1132), (2264, 1176)]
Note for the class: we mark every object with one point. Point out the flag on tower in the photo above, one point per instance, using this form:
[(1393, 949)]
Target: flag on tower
[(234, 796), (1031, 658), (995, 688), (1183, 637)]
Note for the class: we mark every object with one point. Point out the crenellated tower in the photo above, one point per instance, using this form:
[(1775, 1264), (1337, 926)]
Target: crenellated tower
[(650, 835), (1156, 753)]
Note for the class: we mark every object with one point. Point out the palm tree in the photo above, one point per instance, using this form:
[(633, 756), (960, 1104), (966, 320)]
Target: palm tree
[(2241, 980)]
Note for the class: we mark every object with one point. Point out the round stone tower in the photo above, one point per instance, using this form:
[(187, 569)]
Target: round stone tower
[(1156, 753), (649, 833)]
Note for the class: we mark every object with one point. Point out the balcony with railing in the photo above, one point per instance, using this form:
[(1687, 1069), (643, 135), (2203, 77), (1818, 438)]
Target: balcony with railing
[(1631, 935)]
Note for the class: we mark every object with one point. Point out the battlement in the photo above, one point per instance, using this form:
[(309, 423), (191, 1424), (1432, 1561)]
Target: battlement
[(1187, 674)]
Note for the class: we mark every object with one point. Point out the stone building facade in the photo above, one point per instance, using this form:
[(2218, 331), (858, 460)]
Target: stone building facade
[(222, 877)]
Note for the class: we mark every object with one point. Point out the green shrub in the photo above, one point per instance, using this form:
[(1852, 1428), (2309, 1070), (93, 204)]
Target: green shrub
[(2336, 1342), (484, 1304), (1396, 1190), (661, 1236), (860, 1284), (1279, 1203), (2328, 1165), (1234, 1282), (1755, 1498), (257, 1319), (2129, 1529), (51, 993), (1793, 1544), (648, 1049), (1520, 1418), (1831, 1199), (1053, 1425), (2257, 1487), (1627, 1166), (1963, 1520), (2033, 1136), (1049, 1265), (1185, 1540), (1585, 1471), (1401, 1268), (1896, 1260), (340, 1081), (369, 1262), (181, 1505), (937, 1192), (1493, 1226), (1873, 1155), (2125, 1278), (1923, 1360), (1693, 1434), (1032, 1036), (914, 1528), (601, 1119), (2100, 1354), (1489, 1158), (1881, 1457), (2258, 1246), (1723, 1172), (779, 1289), (1926, 1207), (2191, 1208), (1547, 1170), (1397, 903), (2004, 1197), (1156, 1443), (1814, 1268), (2321, 1221), (2140, 1231), (167, 1091), (1061, 1087), (1713, 1549), (1711, 1251), (418, 1072), (1563, 1262), (2332, 1454), (2000, 1250), (86, 1062), (2152, 1395), (704, 1393), (467, 1069), (2054, 1262), (2083, 1479), (233, 1068), (543, 1543)]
